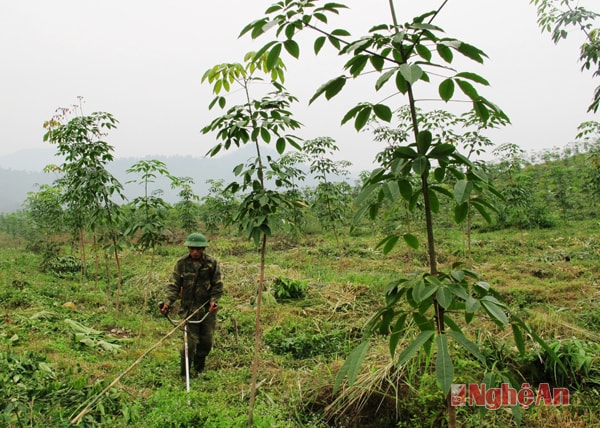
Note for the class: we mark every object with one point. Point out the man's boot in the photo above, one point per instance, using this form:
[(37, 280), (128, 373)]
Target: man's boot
[(182, 364), (199, 362)]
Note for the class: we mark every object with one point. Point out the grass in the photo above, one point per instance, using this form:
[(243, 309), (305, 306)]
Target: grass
[(549, 276)]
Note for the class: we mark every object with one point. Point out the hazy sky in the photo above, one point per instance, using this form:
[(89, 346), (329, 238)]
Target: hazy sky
[(142, 61)]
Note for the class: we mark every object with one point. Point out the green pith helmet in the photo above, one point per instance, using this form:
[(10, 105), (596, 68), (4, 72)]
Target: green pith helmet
[(196, 240)]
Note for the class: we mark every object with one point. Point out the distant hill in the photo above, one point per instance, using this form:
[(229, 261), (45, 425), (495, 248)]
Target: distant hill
[(22, 172), (14, 186)]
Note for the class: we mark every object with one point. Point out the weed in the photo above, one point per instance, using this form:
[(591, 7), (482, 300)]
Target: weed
[(301, 341), (580, 368), (63, 266), (286, 288)]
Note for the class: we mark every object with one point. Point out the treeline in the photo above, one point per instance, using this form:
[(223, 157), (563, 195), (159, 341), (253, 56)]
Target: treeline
[(541, 190)]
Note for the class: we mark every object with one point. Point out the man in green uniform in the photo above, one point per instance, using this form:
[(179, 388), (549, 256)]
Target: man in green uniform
[(196, 280)]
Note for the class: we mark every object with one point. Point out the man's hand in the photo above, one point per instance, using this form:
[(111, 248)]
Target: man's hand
[(164, 308), (213, 307)]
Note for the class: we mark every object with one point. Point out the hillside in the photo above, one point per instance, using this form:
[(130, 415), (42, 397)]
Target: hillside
[(22, 172)]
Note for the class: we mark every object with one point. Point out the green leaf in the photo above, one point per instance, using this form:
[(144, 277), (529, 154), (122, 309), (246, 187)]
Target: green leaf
[(424, 139), (405, 152), (321, 17), (365, 193), (280, 145), (388, 243), (351, 113), (468, 89), (481, 110), (362, 117), (292, 47), (460, 212), (422, 291), (319, 42), (467, 344), (351, 367), (290, 29), (494, 311), (485, 286), (424, 323), (411, 240), (329, 88), (423, 52), (434, 202), (444, 297), (472, 305), (444, 368), (377, 62), (458, 291), (415, 346), (390, 190), (405, 189), (481, 209), (334, 87), (265, 135), (439, 174), (518, 336), (441, 151), (411, 73), (273, 56), (401, 83), (462, 191), (446, 89), (472, 52), (334, 41), (340, 32), (397, 333), (357, 64), (445, 52), (383, 79), (420, 165), (474, 77), (383, 112)]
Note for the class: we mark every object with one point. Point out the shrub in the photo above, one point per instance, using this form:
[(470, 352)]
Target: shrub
[(63, 266), (285, 288), (300, 342)]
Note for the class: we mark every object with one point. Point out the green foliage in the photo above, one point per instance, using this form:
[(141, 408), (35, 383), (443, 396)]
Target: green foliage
[(88, 188), (322, 329), (17, 296), (331, 200), (44, 208), (30, 385), (92, 338), (286, 288), (556, 21), (575, 364), (63, 266), (302, 341), (256, 120), (218, 207), (187, 208), (402, 54), (148, 219)]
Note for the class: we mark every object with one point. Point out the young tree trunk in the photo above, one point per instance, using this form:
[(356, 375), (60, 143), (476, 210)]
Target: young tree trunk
[(257, 330)]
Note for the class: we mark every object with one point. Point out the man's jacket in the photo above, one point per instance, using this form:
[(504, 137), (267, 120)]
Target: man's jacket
[(194, 287)]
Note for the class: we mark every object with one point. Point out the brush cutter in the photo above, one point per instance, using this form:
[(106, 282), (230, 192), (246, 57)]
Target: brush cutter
[(185, 323)]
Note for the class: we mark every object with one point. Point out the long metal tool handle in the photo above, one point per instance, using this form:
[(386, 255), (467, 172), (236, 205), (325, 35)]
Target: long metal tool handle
[(93, 400), (187, 359)]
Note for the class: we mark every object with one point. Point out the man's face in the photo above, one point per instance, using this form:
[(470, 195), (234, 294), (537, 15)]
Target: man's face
[(196, 252)]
